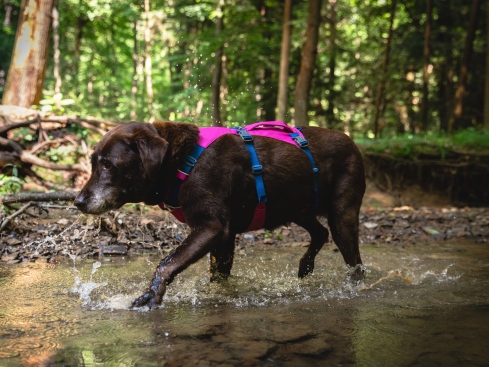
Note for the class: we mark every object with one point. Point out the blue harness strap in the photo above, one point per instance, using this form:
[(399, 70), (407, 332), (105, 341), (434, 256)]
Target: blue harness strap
[(183, 171), (255, 164), (304, 145), (171, 202)]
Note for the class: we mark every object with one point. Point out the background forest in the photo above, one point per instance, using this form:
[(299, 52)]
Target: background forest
[(413, 74), (146, 60)]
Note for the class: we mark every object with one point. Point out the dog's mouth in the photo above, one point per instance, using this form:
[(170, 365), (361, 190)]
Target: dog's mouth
[(95, 204)]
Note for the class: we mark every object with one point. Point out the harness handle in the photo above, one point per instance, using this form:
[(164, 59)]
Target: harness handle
[(271, 125)]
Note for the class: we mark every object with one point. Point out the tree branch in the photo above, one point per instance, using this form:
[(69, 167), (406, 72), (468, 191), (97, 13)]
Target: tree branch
[(38, 196), (27, 157), (18, 212)]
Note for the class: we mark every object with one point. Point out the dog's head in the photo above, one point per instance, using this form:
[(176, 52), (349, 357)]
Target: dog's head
[(125, 164)]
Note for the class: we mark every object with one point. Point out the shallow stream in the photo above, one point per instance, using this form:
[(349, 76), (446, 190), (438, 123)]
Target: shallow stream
[(421, 305)]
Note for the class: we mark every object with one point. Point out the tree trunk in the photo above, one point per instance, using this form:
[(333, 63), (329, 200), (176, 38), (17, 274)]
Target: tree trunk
[(330, 116), (26, 73), (426, 62), (134, 87), (308, 62), (8, 14), (284, 63), (380, 91), (56, 54), (216, 75), (464, 68), (147, 61), (80, 24), (486, 97)]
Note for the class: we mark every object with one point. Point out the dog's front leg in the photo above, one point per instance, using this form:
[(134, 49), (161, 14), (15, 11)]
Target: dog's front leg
[(200, 241)]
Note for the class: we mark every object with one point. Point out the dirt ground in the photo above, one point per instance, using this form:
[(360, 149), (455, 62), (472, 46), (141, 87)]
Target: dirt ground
[(49, 236)]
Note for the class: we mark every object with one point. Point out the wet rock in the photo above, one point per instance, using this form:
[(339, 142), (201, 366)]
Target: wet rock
[(249, 350), (370, 225), (113, 250), (431, 231), (313, 347), (13, 241), (10, 257), (286, 333)]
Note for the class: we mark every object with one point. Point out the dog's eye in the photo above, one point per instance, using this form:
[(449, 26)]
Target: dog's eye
[(106, 164)]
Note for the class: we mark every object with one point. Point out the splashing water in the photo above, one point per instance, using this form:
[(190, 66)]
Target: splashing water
[(84, 289)]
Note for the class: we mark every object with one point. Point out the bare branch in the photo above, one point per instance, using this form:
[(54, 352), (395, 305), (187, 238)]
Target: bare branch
[(17, 213), (38, 196), (27, 157), (17, 125)]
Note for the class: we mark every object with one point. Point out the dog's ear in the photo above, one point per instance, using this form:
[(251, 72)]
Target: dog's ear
[(181, 136), (152, 149)]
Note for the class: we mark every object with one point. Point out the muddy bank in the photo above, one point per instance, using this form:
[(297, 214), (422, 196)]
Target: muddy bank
[(62, 233)]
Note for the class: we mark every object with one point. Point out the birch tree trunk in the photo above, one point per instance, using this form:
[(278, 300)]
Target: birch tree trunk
[(426, 62), (309, 53), (216, 75), (464, 68), (284, 63), (381, 88), (26, 73), (56, 54), (147, 61)]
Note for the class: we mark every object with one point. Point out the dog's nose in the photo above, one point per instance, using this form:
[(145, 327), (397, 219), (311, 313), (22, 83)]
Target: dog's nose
[(80, 201)]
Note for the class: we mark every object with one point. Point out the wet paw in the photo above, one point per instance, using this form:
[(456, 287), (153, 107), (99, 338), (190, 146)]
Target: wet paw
[(218, 277), (147, 299), (305, 268), (359, 272)]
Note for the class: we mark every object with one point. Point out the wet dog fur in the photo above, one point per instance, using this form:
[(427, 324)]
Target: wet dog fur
[(136, 162)]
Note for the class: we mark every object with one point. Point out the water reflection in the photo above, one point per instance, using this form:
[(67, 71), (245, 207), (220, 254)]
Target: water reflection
[(433, 308)]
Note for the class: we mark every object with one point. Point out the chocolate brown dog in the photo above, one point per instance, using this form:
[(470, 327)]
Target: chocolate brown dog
[(137, 162)]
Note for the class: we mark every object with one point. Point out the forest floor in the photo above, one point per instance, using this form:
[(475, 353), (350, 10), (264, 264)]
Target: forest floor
[(59, 233)]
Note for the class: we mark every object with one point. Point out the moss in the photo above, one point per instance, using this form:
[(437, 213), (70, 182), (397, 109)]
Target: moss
[(409, 146)]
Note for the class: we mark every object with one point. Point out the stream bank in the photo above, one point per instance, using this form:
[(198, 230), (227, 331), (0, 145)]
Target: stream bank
[(60, 233)]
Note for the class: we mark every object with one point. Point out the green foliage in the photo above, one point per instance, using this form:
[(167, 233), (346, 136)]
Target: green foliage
[(438, 145), (472, 138), (54, 102), (10, 183), (103, 48)]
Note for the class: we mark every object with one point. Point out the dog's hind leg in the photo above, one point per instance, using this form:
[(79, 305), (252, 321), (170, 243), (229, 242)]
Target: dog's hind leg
[(319, 236), (222, 259), (343, 223)]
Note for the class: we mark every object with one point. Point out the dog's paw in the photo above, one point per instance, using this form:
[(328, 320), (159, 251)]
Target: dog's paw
[(218, 277), (148, 299), (359, 272), (306, 267)]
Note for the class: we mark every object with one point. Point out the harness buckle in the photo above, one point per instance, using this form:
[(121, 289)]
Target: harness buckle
[(303, 143), (257, 169), (315, 171), (190, 161), (245, 135)]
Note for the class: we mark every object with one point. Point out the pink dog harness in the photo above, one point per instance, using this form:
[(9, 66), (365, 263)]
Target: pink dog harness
[(272, 129)]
